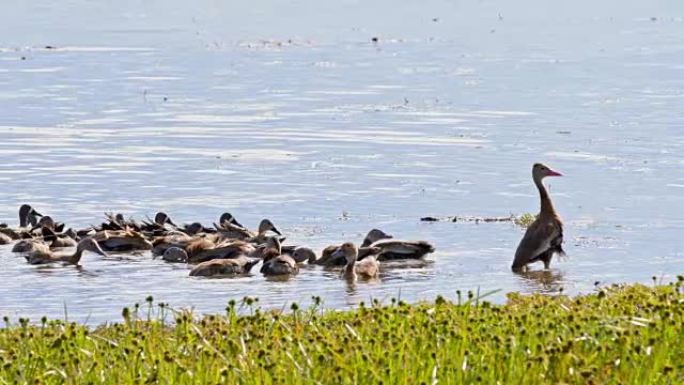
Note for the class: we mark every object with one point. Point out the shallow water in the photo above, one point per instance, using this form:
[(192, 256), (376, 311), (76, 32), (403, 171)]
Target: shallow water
[(290, 111)]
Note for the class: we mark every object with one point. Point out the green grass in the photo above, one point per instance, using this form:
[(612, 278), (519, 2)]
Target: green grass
[(620, 335)]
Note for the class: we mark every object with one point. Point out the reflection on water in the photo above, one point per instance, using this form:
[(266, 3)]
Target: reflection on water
[(545, 281), (330, 135)]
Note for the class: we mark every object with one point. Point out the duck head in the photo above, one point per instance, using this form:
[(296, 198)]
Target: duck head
[(161, 218), (374, 236), (303, 254), (541, 171), (194, 228), (266, 225), (45, 222), (89, 244), (175, 254), (228, 217), (28, 215), (348, 250)]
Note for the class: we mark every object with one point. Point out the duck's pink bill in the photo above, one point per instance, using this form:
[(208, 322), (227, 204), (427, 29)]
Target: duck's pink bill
[(554, 173)]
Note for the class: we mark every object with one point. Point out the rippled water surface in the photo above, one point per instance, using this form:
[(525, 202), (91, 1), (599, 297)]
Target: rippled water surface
[(289, 110)]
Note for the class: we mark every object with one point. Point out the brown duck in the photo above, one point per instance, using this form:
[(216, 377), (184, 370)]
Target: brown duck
[(224, 267), (276, 263), (229, 230), (544, 237), (366, 268), (28, 218), (204, 249), (122, 240), (42, 254)]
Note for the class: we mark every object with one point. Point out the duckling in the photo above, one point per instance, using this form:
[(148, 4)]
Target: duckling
[(231, 231), (122, 240), (276, 263), (224, 267), (42, 255), (373, 236), (392, 249), (366, 268)]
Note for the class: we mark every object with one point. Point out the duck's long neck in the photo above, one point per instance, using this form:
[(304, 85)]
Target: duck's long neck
[(76, 257), (349, 270), (547, 208)]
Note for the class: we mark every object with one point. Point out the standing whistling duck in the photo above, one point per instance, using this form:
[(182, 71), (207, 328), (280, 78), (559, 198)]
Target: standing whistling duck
[(544, 237)]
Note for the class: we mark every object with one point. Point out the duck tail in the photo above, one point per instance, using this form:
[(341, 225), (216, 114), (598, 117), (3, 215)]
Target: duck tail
[(426, 247)]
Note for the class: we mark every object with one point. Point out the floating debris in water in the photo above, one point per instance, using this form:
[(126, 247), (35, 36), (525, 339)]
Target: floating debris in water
[(523, 220)]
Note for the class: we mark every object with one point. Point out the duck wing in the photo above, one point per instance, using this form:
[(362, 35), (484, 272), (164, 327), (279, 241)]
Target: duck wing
[(539, 238), (396, 249), (231, 231), (368, 267)]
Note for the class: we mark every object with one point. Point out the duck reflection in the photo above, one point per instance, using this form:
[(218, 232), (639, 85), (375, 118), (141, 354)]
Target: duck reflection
[(546, 281)]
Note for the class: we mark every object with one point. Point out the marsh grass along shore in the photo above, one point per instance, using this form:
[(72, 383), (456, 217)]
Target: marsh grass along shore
[(619, 335)]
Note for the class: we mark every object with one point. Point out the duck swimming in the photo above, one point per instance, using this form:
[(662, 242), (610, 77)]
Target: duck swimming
[(173, 239), (302, 254), (229, 218), (393, 249), (122, 240), (276, 263), (224, 267), (196, 228), (544, 237), (158, 225), (60, 240), (28, 216), (373, 236), (229, 230), (366, 268), (204, 249), (41, 255)]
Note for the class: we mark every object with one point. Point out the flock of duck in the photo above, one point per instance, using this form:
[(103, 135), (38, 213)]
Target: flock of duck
[(229, 248)]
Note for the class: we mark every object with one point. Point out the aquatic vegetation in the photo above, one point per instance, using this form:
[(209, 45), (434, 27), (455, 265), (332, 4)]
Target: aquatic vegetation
[(524, 220), (620, 334)]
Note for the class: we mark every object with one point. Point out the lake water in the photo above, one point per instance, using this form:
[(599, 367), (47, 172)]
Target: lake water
[(289, 110)]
